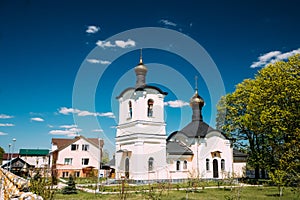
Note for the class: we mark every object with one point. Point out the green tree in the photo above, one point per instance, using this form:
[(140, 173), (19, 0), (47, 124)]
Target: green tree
[(263, 115), (105, 157), (1, 155), (40, 186), (71, 187)]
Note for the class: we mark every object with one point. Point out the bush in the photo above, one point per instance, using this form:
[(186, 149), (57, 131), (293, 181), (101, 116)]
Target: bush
[(71, 188)]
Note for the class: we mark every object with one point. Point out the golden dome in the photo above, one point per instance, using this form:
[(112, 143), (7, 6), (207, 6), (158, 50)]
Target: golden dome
[(140, 68), (196, 99)]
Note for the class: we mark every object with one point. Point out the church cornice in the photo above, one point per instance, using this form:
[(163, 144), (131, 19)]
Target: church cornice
[(141, 89), (139, 136), (140, 122)]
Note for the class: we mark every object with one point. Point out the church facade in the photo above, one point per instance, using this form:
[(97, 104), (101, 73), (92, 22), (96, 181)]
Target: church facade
[(143, 150)]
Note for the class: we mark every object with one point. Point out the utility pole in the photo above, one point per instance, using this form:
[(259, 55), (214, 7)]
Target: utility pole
[(9, 156), (99, 164)]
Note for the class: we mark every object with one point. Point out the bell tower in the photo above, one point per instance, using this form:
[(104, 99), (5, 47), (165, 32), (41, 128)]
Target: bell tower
[(141, 134)]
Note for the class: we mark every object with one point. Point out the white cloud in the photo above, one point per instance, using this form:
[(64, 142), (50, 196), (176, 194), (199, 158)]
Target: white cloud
[(7, 124), (68, 126), (167, 22), (86, 113), (96, 61), (273, 57), (50, 126), (37, 119), (92, 29), (176, 104), (125, 44), (70, 131), (63, 132), (107, 114), (83, 113), (97, 130), (117, 43), (4, 116), (67, 111), (104, 44), (2, 133)]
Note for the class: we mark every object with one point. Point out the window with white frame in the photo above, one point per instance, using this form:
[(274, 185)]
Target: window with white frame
[(77, 174), (68, 161), (85, 147), (65, 174), (74, 147), (85, 161)]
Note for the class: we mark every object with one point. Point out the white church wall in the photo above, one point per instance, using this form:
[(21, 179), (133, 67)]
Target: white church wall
[(215, 142), (239, 169)]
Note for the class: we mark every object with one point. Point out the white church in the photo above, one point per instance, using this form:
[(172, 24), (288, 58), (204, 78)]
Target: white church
[(144, 152)]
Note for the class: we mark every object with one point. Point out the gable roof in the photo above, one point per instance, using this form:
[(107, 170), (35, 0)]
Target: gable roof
[(196, 129), (62, 143), (178, 148), (16, 163), (34, 152)]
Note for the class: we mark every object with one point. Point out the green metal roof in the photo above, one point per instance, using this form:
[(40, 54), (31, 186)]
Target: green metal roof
[(34, 152)]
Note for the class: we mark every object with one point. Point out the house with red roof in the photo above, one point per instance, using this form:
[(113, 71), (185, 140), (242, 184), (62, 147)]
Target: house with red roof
[(79, 156)]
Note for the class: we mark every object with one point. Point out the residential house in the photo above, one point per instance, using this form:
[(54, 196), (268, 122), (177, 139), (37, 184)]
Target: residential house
[(39, 158), (18, 166), (79, 157)]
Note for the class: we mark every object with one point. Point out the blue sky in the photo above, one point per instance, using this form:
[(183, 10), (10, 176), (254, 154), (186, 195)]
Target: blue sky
[(45, 44)]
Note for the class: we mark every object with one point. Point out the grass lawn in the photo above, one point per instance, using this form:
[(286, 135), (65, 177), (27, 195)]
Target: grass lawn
[(207, 194)]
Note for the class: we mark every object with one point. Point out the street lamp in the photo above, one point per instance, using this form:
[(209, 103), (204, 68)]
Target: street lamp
[(14, 141)]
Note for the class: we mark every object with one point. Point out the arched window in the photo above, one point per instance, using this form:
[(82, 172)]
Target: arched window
[(207, 164), (185, 164), (150, 164), (222, 164), (130, 109), (150, 108), (178, 165)]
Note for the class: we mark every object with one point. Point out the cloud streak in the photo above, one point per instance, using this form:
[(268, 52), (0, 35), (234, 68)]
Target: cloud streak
[(83, 113), (37, 119), (7, 125), (176, 104), (68, 126), (273, 57), (167, 22), (68, 130), (118, 43), (4, 116), (2, 133), (98, 61), (98, 130), (92, 29)]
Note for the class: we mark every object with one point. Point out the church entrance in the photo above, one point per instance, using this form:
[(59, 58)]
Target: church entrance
[(127, 168), (215, 169)]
